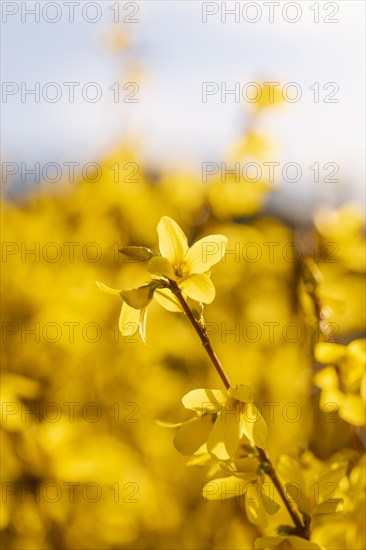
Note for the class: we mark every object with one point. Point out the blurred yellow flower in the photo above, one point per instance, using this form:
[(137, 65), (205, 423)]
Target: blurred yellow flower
[(342, 382), (271, 95), (310, 487)]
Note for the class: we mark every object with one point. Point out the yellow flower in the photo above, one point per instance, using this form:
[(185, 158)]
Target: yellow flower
[(134, 307), (256, 495), (222, 419), (342, 382), (300, 484), (187, 266)]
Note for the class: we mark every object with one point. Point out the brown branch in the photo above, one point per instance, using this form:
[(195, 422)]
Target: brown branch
[(201, 333), (300, 529)]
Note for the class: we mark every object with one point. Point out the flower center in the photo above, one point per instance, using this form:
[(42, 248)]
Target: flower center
[(179, 269)]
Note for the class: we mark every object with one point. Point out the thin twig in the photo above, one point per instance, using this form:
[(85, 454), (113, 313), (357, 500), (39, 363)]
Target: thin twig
[(301, 529)]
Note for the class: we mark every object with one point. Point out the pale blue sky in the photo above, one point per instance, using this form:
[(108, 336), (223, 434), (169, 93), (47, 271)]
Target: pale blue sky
[(180, 52)]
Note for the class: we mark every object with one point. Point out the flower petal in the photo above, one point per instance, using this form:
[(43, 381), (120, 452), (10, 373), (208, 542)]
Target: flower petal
[(138, 298), (161, 266), (244, 468), (224, 488), (270, 505), (353, 410), (329, 507), (200, 458), (107, 289), (164, 424), (201, 400), (292, 476), (205, 253), (172, 241), (226, 434), (199, 288), (254, 426), (192, 435), (142, 329), (241, 392), (166, 299), (326, 352), (129, 320), (254, 508), (326, 378)]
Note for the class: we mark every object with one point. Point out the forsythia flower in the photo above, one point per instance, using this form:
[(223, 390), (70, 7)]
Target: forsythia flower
[(187, 267), (315, 492), (134, 307), (245, 481), (222, 419)]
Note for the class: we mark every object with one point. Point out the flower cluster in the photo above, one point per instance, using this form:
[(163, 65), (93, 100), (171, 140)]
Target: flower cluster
[(343, 380)]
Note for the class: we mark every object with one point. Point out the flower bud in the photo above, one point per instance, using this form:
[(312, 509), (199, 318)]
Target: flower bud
[(137, 253)]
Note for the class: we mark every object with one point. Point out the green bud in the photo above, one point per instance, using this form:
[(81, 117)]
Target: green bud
[(285, 530), (138, 253)]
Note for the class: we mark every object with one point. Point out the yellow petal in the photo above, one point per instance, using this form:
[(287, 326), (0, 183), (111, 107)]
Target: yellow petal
[(161, 266), (290, 471), (129, 320), (241, 392), (225, 435), (142, 329), (205, 253), (270, 505), (292, 475), (352, 410), (329, 507), (254, 425), (204, 400), (254, 508), (356, 350), (164, 424), (224, 488), (363, 387), (173, 243), (138, 298), (329, 353), (107, 289), (331, 400), (166, 299), (200, 458), (199, 288), (244, 468), (330, 480), (326, 378), (192, 435)]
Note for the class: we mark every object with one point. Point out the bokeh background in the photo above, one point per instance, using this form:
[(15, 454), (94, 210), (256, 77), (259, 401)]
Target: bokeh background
[(86, 464)]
